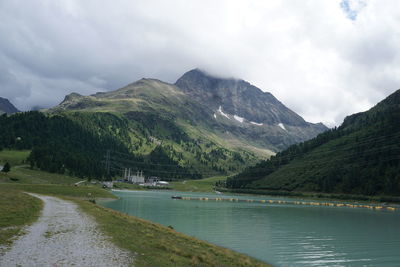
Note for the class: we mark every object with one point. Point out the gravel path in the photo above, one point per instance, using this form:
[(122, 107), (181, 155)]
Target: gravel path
[(63, 236)]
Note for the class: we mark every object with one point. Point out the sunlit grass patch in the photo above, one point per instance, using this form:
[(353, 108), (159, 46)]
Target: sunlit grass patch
[(82, 192), (14, 157), (202, 185)]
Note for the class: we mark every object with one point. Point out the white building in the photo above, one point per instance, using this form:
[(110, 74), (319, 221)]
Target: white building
[(134, 179)]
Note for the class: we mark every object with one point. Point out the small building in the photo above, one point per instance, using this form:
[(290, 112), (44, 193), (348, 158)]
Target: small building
[(162, 183), (152, 180), (108, 184)]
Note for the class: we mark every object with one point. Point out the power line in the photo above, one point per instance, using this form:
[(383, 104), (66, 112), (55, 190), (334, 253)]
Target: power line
[(319, 152)]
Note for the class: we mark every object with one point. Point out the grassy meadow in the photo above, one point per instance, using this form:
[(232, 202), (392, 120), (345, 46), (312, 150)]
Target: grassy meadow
[(202, 185), (13, 157)]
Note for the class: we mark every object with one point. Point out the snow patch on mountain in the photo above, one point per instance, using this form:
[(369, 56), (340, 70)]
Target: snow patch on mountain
[(282, 126), (239, 119), (256, 123), (222, 113)]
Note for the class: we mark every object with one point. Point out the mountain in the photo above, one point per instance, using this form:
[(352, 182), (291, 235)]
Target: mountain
[(359, 157), (200, 130), (248, 111), (155, 113), (274, 128), (159, 128), (7, 107)]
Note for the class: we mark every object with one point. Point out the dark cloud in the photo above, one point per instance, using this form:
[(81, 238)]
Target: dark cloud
[(309, 54)]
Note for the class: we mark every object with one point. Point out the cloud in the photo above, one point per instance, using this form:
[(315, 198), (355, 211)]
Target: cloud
[(323, 59)]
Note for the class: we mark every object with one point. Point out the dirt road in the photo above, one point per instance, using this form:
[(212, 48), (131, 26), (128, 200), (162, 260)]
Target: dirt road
[(63, 236)]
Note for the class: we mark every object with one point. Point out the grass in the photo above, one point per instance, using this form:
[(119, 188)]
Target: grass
[(121, 185), (202, 185), (157, 245), (81, 192), (16, 210), (23, 174), (14, 157)]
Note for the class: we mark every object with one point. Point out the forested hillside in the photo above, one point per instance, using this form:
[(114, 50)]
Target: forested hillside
[(362, 156), (58, 143), (77, 143)]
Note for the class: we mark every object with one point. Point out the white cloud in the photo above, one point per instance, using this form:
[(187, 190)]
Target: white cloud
[(313, 56)]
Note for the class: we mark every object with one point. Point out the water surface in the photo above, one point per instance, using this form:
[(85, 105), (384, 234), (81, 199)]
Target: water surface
[(283, 235)]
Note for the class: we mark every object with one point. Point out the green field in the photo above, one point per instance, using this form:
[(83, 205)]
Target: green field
[(13, 157), (152, 244), (202, 185)]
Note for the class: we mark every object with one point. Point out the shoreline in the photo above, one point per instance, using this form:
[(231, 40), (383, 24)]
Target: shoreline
[(316, 195), (305, 201), (340, 198)]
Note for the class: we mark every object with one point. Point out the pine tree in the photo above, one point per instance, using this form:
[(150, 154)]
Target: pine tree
[(6, 167)]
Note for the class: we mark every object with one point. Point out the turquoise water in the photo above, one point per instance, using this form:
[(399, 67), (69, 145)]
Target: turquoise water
[(280, 234)]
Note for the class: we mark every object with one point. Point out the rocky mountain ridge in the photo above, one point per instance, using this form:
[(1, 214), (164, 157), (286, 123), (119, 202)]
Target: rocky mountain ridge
[(237, 102), (233, 108), (7, 107)]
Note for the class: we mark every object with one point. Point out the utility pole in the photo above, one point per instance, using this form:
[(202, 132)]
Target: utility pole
[(108, 165)]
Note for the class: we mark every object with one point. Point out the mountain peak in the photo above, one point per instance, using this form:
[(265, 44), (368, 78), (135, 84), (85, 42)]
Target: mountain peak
[(198, 73), (71, 97), (7, 107), (389, 105), (393, 99), (237, 97)]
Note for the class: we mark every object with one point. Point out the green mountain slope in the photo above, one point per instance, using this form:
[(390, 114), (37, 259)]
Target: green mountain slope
[(80, 144), (159, 114), (148, 99), (362, 156)]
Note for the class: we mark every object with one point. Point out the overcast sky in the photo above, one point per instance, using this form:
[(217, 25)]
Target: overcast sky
[(322, 59)]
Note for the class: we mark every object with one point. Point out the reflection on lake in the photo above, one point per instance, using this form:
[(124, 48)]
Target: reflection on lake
[(284, 235)]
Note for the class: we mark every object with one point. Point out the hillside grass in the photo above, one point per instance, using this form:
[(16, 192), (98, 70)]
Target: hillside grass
[(23, 174), (79, 192), (202, 185), (14, 157)]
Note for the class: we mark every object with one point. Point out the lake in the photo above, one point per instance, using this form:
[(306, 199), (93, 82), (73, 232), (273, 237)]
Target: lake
[(280, 234)]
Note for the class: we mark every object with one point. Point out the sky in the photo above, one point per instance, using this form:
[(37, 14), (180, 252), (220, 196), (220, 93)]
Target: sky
[(323, 59)]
